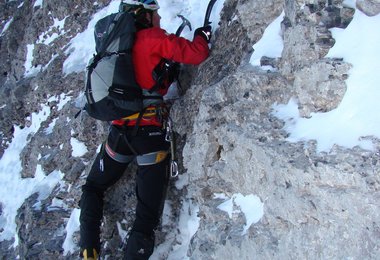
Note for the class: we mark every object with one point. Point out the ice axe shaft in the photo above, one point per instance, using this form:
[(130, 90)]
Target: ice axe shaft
[(208, 12), (185, 23)]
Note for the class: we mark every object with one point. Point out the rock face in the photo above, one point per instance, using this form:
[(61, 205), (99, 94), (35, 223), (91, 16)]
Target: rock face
[(369, 7), (316, 205)]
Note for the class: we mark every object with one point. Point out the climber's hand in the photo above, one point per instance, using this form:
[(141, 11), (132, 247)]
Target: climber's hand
[(205, 32)]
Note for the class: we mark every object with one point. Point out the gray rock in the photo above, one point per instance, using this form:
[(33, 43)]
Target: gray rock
[(369, 7), (320, 87)]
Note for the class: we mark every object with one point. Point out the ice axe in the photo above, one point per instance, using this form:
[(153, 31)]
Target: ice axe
[(185, 23), (208, 12)]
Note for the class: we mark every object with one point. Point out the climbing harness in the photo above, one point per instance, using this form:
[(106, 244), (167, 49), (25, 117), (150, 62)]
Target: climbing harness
[(141, 159)]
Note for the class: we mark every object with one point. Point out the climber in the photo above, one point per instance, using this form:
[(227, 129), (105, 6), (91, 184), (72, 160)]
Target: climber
[(140, 137)]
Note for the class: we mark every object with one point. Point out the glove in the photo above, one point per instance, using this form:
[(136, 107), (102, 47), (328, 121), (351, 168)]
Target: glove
[(204, 32)]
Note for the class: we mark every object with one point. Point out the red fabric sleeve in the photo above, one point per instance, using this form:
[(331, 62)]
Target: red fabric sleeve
[(182, 50), (153, 44)]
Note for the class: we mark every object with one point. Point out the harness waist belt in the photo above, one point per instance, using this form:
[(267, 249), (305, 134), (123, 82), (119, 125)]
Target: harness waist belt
[(148, 113)]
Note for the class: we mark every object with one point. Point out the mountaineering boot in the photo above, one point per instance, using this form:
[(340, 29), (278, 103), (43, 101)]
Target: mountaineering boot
[(139, 246), (90, 254)]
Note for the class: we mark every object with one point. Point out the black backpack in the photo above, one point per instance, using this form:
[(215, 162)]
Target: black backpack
[(111, 89)]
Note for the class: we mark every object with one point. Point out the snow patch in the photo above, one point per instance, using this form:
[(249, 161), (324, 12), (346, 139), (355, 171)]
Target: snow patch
[(6, 26), (250, 205), (54, 31), (69, 245), (15, 189), (38, 3), (354, 121), (30, 70), (49, 129), (187, 227), (78, 148), (270, 44), (122, 233)]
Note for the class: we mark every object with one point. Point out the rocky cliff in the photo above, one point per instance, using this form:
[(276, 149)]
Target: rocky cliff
[(316, 205)]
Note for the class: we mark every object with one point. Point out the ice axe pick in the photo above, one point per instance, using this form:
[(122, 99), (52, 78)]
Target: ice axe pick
[(185, 23)]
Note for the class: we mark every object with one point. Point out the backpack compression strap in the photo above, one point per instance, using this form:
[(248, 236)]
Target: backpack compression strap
[(90, 68)]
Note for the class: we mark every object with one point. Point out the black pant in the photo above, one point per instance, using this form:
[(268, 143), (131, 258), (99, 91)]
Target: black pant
[(151, 183)]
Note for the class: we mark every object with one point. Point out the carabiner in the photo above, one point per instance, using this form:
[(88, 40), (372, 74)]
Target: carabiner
[(174, 169)]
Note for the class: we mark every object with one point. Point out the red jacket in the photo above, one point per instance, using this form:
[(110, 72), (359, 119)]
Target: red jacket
[(153, 44)]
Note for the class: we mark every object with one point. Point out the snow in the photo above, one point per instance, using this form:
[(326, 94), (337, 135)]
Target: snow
[(350, 3), (44, 184), (354, 122), (38, 3), (30, 70), (78, 148), (62, 100), (69, 246), (167, 213), (57, 204), (193, 10), (6, 26), (270, 45), (45, 38), (187, 226), (122, 233), (51, 34), (250, 205), (14, 189)]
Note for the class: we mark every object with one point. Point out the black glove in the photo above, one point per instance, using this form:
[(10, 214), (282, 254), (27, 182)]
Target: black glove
[(204, 32)]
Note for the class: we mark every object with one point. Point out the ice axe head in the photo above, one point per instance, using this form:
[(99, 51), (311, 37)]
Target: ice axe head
[(185, 23)]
